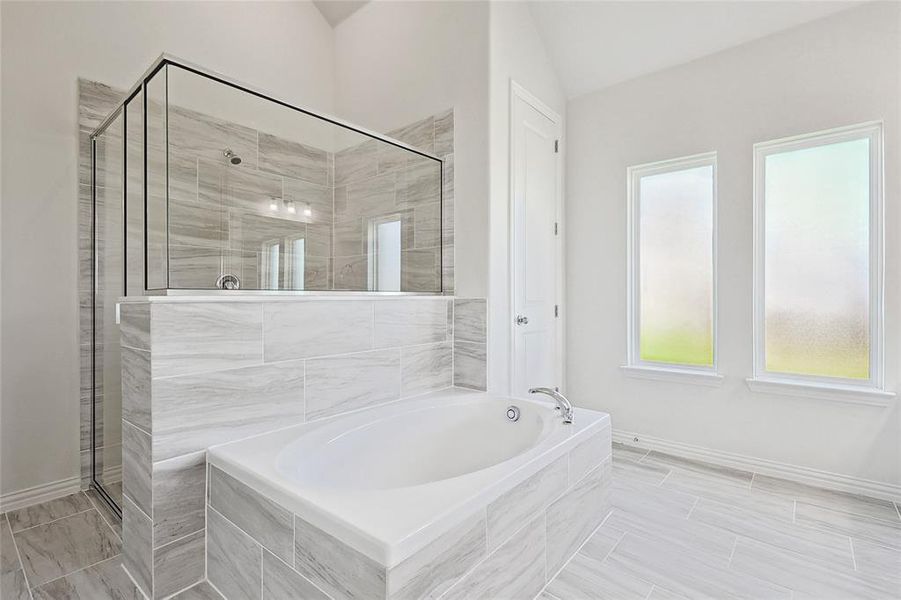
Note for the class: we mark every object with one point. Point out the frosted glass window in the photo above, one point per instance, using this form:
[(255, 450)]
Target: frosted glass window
[(817, 244), (672, 260)]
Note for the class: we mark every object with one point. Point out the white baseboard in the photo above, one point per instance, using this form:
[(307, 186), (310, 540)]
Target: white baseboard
[(807, 475), (39, 493)]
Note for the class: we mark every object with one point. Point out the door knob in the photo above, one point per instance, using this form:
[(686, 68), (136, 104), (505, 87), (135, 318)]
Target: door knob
[(522, 320)]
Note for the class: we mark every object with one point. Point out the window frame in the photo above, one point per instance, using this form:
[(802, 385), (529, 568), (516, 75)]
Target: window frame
[(635, 366), (764, 379)]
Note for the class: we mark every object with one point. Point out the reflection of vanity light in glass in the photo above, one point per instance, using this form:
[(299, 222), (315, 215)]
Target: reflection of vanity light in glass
[(308, 212), (289, 204), (273, 203)]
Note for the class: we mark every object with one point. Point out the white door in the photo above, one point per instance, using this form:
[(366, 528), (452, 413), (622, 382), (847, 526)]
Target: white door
[(536, 247)]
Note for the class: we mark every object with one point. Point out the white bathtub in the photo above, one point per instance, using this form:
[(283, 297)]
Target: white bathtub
[(389, 480)]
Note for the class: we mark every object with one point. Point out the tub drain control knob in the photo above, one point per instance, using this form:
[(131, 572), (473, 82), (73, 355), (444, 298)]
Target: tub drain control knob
[(513, 413)]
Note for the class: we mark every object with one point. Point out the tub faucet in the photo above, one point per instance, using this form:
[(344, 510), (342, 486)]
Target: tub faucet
[(563, 405)]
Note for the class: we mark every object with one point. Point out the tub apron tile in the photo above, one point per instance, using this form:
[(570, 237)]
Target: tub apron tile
[(335, 567), (431, 571), (265, 521)]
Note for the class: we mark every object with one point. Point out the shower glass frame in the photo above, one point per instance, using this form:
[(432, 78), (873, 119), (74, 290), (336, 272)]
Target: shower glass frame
[(160, 69)]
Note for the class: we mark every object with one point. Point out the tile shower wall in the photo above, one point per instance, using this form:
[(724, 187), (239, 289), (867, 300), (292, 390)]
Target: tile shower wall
[(197, 373), (290, 171), (220, 220), (373, 180)]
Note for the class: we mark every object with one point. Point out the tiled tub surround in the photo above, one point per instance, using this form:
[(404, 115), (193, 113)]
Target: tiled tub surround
[(204, 371), (291, 172), (333, 510), (470, 343)]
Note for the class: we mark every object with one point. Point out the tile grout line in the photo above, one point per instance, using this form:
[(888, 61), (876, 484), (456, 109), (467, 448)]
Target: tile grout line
[(293, 568), (372, 348), (665, 477), (612, 548), (104, 519), (78, 570), (488, 554), (853, 558), (732, 552), (693, 506), (18, 556), (81, 512), (212, 585), (578, 550)]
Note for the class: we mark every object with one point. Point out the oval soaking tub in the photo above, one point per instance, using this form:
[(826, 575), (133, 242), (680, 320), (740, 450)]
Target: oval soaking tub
[(387, 481)]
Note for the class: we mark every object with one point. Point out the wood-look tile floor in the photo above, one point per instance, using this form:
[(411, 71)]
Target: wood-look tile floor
[(678, 529), (684, 529), (69, 548)]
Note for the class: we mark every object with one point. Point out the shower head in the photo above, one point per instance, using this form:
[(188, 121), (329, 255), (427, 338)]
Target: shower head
[(231, 156)]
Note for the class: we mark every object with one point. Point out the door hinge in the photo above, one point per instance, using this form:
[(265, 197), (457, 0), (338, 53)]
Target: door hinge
[(556, 310), (556, 146), (556, 228)]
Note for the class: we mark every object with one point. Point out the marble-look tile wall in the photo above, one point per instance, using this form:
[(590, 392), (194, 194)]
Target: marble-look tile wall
[(198, 373), (223, 218), (375, 180), (509, 549), (470, 343), (204, 245)]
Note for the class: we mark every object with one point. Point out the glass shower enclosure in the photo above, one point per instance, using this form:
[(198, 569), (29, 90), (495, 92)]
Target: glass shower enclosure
[(201, 185)]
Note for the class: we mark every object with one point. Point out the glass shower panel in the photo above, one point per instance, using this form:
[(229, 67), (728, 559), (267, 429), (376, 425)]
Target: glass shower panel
[(265, 196), (109, 285), (157, 186), (134, 195)]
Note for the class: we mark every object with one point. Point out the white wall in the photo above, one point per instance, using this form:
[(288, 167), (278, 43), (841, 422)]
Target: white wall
[(397, 62), (517, 53), (842, 70), (286, 48)]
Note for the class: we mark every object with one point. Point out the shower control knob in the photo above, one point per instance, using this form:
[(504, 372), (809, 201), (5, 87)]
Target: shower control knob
[(522, 320)]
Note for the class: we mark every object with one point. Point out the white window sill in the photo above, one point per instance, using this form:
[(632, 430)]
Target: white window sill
[(673, 374), (822, 391)]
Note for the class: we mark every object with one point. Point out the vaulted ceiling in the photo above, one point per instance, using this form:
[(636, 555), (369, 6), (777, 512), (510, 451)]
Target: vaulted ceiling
[(336, 11), (596, 44)]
